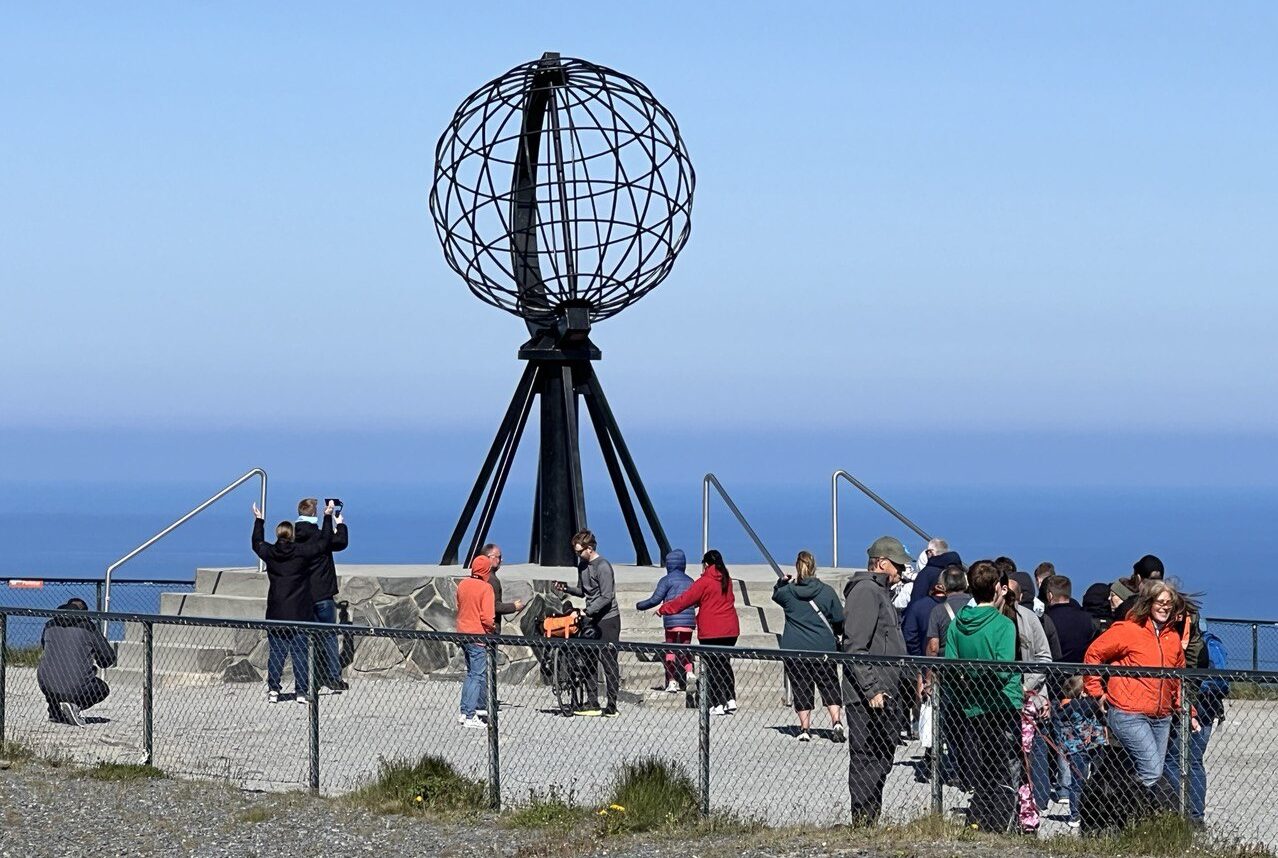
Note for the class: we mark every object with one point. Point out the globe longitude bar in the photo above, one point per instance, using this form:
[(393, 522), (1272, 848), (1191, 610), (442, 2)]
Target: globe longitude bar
[(598, 207)]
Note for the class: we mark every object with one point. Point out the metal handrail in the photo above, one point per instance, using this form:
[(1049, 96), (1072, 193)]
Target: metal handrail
[(709, 480), (869, 493), (261, 567)]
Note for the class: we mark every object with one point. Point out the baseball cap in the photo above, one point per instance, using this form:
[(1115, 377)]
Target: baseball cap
[(891, 548)]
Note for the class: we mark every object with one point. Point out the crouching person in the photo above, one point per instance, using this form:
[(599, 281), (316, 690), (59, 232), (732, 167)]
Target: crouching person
[(67, 674)]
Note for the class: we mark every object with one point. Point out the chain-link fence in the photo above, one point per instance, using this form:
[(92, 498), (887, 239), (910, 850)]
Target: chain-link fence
[(1004, 746), (1251, 644), (135, 596)]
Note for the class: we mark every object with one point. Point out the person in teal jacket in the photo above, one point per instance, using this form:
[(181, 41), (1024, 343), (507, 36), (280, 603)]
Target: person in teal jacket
[(813, 622), (989, 730)]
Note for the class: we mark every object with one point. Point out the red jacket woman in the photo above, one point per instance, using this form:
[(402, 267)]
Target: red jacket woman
[(717, 625), (715, 600)]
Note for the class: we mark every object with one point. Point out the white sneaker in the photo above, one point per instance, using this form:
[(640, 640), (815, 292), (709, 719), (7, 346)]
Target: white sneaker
[(72, 713), (805, 736), (718, 710), (672, 687), (302, 699), (691, 676), (272, 696), (482, 713), (474, 722), (732, 707), (840, 732)]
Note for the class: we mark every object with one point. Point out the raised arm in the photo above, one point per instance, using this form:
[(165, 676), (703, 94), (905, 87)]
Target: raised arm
[(259, 539)]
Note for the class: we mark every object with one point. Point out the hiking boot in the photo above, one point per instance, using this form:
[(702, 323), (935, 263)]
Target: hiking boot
[(71, 712)]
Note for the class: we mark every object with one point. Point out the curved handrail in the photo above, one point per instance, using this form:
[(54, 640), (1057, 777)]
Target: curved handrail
[(106, 581), (869, 493), (711, 480)]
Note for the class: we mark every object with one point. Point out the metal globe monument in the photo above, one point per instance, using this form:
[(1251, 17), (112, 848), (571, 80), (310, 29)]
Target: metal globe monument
[(562, 194)]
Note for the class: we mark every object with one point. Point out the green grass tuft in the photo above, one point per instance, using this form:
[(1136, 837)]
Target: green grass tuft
[(429, 786), (22, 656), (650, 794), (256, 814), (551, 809), (123, 772)]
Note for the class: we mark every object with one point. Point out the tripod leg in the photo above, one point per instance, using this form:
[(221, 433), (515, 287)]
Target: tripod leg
[(503, 471), (534, 544), (614, 433), (574, 451), (642, 557), (485, 472)]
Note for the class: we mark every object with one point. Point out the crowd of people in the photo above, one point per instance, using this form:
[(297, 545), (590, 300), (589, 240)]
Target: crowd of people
[(1015, 739)]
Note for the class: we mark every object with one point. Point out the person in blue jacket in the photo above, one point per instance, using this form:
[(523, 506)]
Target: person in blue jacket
[(678, 626)]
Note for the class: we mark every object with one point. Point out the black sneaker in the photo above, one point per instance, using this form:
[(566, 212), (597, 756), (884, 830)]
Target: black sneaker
[(611, 712), (337, 686)]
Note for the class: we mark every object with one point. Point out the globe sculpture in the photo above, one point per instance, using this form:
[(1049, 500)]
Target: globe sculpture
[(562, 194)]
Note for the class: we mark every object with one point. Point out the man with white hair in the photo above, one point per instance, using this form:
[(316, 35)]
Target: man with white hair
[(939, 556)]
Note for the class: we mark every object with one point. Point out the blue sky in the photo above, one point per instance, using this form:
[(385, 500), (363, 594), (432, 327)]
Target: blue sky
[(993, 220)]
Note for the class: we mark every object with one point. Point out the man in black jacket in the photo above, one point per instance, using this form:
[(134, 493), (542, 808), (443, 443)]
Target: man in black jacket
[(1074, 628), (72, 647), (323, 574)]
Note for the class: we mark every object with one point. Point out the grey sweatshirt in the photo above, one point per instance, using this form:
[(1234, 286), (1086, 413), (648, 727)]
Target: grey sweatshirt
[(595, 583)]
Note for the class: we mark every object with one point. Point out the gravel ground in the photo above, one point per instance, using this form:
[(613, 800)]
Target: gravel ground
[(59, 811)]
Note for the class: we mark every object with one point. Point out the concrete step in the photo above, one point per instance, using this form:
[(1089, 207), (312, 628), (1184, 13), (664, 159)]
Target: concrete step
[(174, 658), (205, 605), (180, 635), (230, 582)]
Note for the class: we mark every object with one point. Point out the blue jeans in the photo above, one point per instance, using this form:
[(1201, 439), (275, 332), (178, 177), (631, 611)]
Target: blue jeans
[(1079, 764), (474, 686), (330, 669), (282, 644), (1040, 767), (1197, 772), (1145, 740)]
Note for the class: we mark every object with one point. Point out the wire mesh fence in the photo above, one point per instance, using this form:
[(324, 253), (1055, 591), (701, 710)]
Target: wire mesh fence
[(1252, 644), (1004, 746), (130, 596)]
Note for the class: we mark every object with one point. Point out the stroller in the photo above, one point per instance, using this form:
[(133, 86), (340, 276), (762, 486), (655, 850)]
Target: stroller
[(573, 670)]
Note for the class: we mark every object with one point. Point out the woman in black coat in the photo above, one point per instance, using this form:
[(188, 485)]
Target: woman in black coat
[(288, 596)]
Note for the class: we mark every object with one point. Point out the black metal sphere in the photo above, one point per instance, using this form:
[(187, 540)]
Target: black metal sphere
[(562, 184)]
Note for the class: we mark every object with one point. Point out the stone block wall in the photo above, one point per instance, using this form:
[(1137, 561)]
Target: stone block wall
[(425, 603)]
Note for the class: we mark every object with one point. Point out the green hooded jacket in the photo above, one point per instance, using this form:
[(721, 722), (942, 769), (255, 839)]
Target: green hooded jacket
[(982, 633)]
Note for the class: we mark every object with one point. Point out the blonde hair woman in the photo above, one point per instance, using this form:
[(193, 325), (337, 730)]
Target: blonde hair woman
[(813, 621)]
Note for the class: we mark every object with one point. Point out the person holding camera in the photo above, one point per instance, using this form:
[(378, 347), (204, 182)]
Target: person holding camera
[(596, 584), (323, 577), (71, 650), (289, 595)]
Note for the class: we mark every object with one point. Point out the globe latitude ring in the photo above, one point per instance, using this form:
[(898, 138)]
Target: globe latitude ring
[(562, 184)]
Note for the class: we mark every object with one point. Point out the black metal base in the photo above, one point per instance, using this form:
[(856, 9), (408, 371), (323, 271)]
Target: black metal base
[(558, 378)]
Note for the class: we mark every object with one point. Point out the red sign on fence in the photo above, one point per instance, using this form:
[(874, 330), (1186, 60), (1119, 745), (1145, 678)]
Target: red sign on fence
[(20, 584)]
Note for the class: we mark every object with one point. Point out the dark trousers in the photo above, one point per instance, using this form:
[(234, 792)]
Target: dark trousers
[(992, 745), (330, 669), (91, 694), (872, 735), (721, 681), (609, 632)]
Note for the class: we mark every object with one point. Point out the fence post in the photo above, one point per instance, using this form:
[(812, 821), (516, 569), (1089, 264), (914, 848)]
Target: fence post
[(1186, 736), (938, 744), (494, 752), (703, 734), (4, 658), (1255, 646), (148, 691), (97, 596), (312, 669)]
